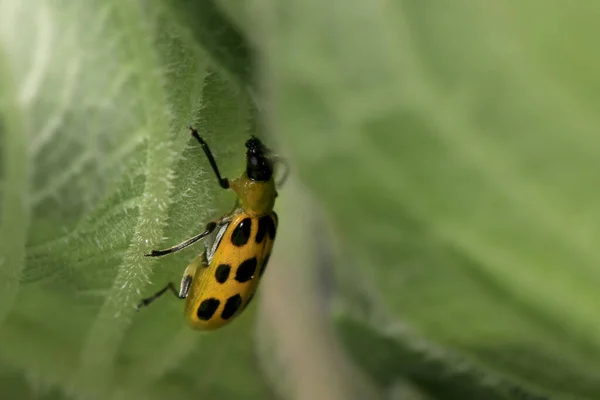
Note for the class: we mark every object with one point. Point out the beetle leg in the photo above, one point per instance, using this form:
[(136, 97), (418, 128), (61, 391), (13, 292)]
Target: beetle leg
[(184, 287), (189, 273), (210, 227), (223, 182), (170, 286)]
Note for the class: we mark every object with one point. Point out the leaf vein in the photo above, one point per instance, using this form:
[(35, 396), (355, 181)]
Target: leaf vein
[(14, 207)]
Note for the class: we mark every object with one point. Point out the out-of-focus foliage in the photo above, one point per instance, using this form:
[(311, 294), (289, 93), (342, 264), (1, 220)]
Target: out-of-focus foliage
[(455, 149), (445, 170)]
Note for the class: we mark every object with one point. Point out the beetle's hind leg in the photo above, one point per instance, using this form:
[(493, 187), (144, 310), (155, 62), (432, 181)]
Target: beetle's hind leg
[(170, 286), (184, 286)]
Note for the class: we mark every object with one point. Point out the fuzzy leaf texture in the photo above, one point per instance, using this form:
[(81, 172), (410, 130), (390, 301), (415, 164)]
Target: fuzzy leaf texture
[(97, 169)]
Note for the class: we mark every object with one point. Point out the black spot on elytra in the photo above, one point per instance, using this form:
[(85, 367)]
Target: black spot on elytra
[(222, 273), (264, 265), (241, 233), (207, 309), (231, 306), (246, 270), (265, 224)]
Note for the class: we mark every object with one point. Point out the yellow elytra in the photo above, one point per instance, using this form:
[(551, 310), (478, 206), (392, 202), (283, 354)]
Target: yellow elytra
[(219, 283)]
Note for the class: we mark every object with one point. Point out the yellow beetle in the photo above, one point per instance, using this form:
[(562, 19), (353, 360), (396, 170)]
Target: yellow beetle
[(219, 283)]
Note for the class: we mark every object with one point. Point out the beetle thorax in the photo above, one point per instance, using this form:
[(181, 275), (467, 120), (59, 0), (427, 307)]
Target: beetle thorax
[(256, 198)]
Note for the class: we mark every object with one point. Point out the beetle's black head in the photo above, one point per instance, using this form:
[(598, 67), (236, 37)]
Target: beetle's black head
[(258, 165)]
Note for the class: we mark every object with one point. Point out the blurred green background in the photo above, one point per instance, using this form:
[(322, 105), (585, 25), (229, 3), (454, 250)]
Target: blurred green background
[(437, 239)]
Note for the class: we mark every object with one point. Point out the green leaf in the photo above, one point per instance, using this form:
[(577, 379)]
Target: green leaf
[(451, 147), (454, 148), (208, 25), (97, 169)]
